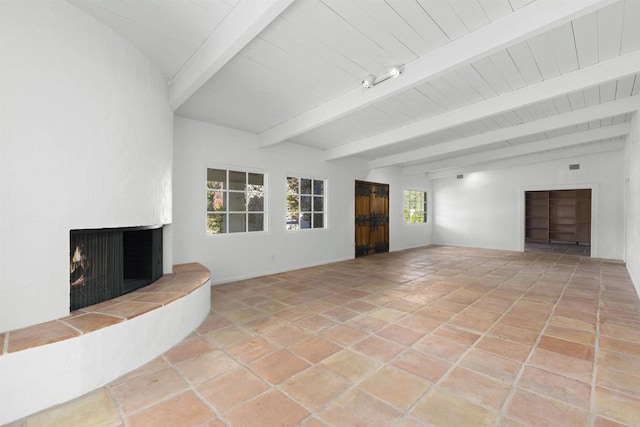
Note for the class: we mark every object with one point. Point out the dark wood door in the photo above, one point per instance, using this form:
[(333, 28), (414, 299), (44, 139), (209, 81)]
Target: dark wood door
[(372, 218)]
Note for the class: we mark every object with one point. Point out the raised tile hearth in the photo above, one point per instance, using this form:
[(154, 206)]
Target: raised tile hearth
[(56, 361)]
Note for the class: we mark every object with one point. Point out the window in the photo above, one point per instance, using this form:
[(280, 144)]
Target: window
[(235, 201), (415, 206), (306, 207)]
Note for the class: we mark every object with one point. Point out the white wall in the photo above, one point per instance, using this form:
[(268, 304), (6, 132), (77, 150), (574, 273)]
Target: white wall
[(86, 143), (484, 208), (236, 256), (632, 202), (402, 235)]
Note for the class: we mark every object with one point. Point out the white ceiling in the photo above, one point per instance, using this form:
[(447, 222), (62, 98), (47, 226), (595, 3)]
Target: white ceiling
[(482, 80)]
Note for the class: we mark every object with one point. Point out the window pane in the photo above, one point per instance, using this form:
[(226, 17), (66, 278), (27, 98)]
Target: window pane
[(237, 223), (318, 220), (305, 186), (216, 179), (292, 221), (305, 220), (305, 203), (318, 187), (256, 201), (237, 202), (237, 180), (293, 203), (256, 222), (292, 185), (215, 223), (415, 206), (256, 181), (215, 201)]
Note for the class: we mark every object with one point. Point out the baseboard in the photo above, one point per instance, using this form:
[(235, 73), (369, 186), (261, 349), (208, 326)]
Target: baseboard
[(277, 271)]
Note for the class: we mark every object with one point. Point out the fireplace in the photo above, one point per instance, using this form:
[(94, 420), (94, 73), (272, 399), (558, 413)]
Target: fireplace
[(109, 262)]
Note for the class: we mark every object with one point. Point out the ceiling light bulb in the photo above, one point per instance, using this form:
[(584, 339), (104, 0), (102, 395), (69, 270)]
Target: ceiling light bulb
[(395, 72), (369, 81)]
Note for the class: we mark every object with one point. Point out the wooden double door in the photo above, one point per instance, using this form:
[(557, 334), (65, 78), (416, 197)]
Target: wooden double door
[(372, 218)]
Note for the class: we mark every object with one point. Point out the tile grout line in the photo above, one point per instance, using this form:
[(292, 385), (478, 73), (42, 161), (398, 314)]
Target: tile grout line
[(276, 387), (314, 413), (155, 403), (516, 380), (427, 334), (596, 352), (193, 389), (352, 385), (406, 413), (119, 409), (462, 356), (379, 368)]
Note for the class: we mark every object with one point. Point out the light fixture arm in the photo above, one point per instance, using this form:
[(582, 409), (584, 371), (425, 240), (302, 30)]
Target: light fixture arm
[(371, 80)]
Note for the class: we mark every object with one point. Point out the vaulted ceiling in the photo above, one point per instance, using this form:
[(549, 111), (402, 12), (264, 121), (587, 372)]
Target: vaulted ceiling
[(482, 80)]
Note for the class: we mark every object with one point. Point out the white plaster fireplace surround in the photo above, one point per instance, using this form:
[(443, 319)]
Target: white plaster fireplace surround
[(87, 143)]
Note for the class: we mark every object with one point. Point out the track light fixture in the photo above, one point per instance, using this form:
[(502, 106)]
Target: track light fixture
[(371, 81)]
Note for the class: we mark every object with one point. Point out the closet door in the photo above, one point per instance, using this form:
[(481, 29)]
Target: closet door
[(371, 217)]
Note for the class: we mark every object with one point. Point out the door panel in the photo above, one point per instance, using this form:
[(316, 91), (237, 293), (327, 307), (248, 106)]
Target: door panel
[(372, 218)]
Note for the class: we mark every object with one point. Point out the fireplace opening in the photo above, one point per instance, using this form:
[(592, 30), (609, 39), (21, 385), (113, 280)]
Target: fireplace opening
[(110, 262)]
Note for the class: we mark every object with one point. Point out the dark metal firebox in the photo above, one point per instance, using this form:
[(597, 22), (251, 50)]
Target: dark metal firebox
[(109, 262)]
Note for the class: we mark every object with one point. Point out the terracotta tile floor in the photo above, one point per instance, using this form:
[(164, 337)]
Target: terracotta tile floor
[(440, 336), (558, 248)]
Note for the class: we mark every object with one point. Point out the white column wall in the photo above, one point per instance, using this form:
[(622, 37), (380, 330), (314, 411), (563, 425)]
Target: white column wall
[(632, 202)]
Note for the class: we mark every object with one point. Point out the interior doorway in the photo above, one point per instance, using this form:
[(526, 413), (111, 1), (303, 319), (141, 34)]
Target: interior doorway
[(372, 218), (558, 221)]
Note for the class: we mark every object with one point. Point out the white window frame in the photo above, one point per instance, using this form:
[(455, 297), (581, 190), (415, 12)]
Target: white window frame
[(226, 191), (313, 211), (425, 213)]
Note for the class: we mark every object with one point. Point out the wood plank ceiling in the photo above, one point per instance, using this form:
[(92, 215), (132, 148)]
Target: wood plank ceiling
[(482, 80)]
